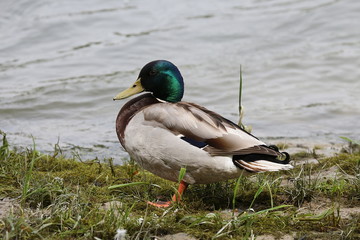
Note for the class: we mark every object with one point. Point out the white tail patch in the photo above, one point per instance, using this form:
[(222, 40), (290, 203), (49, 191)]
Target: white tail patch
[(264, 166)]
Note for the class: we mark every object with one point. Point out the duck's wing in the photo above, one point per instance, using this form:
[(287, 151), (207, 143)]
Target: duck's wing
[(198, 124), (216, 135)]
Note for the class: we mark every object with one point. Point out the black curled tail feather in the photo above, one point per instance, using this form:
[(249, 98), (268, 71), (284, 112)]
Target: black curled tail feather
[(283, 154), (269, 154), (287, 157), (274, 156)]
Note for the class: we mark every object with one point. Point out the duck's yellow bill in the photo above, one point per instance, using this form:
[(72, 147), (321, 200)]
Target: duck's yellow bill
[(134, 89)]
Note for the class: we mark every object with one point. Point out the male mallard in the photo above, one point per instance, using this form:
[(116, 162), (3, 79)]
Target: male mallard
[(164, 134)]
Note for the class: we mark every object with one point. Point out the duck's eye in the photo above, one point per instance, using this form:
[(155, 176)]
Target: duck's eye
[(152, 72)]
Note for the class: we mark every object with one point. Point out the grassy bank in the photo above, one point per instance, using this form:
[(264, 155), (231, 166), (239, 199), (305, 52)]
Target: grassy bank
[(53, 197)]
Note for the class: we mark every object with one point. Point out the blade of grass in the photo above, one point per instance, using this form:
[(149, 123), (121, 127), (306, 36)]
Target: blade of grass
[(241, 111), (271, 196), (236, 189), (130, 184), (181, 174), (4, 149), (258, 192), (28, 176), (350, 140), (264, 211), (318, 217)]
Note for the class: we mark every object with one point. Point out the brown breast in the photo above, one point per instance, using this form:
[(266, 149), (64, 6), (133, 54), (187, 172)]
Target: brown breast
[(129, 110)]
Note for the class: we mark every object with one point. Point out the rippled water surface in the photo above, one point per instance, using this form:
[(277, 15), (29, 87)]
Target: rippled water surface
[(61, 62)]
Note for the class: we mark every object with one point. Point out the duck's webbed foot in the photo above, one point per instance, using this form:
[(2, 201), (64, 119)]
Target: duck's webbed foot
[(176, 198), (160, 204)]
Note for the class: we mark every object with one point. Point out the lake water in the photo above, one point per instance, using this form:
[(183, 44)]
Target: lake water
[(61, 62)]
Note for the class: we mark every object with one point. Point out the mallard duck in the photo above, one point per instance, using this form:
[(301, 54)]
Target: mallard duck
[(164, 134)]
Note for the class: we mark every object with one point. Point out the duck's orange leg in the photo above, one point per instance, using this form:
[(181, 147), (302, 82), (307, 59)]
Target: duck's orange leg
[(176, 198)]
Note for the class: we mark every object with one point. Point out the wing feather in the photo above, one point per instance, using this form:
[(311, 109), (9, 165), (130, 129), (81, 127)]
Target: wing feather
[(221, 137), (200, 124)]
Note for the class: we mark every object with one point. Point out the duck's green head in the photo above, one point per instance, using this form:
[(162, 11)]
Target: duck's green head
[(161, 78)]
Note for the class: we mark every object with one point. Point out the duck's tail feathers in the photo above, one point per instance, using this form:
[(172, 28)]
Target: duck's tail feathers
[(263, 162), (262, 166)]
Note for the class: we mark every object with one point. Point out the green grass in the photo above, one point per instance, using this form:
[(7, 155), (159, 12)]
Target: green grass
[(62, 198)]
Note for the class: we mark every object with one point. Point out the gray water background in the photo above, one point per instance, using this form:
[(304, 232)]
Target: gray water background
[(61, 62)]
